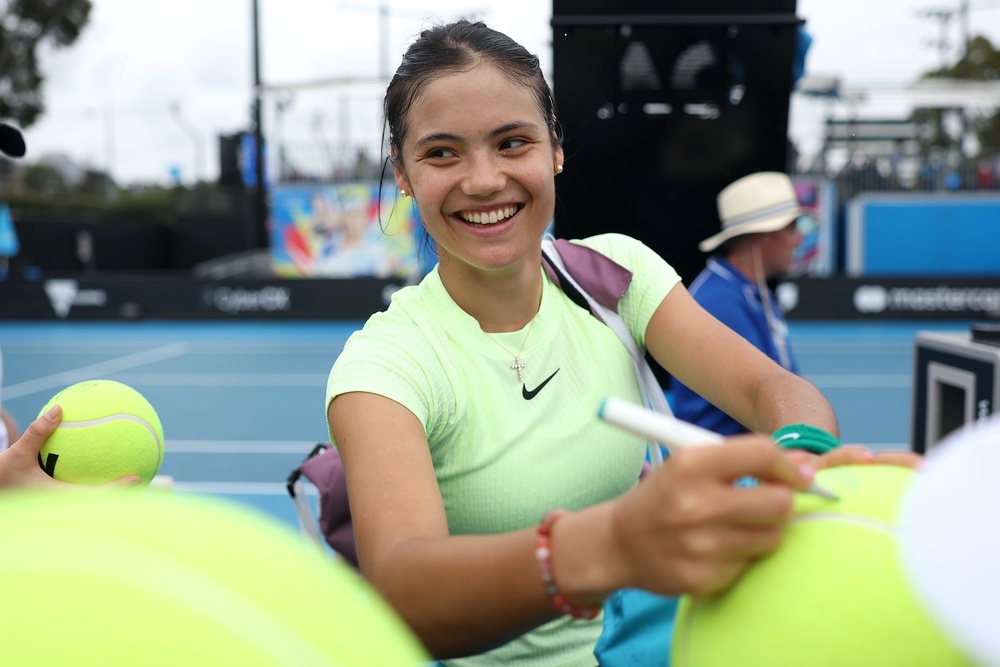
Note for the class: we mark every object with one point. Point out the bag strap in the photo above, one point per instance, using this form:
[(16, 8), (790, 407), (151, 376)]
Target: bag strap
[(652, 393), (308, 522)]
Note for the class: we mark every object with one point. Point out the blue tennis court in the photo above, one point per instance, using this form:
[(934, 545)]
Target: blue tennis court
[(242, 403)]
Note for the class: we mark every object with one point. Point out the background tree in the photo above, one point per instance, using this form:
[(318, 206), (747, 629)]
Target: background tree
[(25, 25), (984, 65), (980, 63), (44, 179)]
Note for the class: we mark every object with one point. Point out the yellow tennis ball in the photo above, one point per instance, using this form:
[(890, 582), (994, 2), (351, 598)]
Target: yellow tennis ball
[(118, 578), (833, 593), (108, 430)]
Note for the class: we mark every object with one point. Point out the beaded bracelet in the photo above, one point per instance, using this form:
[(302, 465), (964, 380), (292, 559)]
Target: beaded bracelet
[(543, 553)]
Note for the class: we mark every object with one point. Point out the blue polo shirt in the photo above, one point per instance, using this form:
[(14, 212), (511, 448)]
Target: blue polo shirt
[(736, 302)]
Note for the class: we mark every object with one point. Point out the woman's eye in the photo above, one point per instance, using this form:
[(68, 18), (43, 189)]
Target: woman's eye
[(441, 153), (510, 144)]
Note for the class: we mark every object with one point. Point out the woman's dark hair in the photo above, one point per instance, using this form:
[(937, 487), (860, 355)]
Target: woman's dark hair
[(456, 47)]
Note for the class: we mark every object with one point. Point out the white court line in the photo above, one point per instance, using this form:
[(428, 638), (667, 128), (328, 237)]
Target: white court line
[(226, 379), (239, 447), (284, 347), (241, 488), (827, 351), (834, 343), (296, 348), (861, 381), (66, 378), (62, 345)]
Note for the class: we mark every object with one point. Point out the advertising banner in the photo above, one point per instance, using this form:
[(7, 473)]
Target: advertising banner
[(344, 231), (814, 256)]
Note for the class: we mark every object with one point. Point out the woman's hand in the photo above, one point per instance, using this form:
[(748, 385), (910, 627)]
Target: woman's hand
[(855, 455), (19, 463), (687, 529)]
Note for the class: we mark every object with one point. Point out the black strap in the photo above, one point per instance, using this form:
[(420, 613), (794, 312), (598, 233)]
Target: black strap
[(297, 473), (567, 286)]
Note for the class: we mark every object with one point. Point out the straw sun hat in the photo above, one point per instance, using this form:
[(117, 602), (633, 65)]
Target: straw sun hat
[(761, 202)]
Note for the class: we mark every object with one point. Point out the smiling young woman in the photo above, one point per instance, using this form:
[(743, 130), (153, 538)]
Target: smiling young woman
[(482, 178), (466, 413)]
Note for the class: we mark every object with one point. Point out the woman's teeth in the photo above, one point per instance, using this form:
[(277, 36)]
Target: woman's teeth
[(488, 217)]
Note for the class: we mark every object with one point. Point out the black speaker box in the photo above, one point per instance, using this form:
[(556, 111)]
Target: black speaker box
[(663, 105)]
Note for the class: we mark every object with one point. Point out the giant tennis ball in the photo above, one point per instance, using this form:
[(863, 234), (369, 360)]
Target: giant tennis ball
[(832, 594), (112, 578), (108, 430)]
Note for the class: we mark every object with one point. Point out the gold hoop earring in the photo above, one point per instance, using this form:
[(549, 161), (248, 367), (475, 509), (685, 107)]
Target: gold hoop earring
[(403, 192), (559, 168)]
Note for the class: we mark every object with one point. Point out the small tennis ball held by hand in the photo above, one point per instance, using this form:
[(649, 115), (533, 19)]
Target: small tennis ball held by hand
[(108, 431)]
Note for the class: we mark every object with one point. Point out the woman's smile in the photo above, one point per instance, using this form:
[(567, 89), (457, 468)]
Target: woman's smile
[(489, 217)]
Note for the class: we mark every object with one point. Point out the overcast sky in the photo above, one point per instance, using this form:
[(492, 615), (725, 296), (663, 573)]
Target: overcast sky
[(150, 85)]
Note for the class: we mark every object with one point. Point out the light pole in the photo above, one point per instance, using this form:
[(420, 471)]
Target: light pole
[(107, 114), (384, 14), (257, 235), (196, 136), (282, 102), (383, 38)]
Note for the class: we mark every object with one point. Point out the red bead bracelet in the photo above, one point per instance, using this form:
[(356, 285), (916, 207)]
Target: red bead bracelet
[(543, 553)]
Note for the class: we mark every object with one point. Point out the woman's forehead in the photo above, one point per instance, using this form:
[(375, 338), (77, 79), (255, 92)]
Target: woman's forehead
[(477, 96)]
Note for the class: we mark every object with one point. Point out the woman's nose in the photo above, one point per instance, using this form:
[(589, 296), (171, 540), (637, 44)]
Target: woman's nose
[(484, 176)]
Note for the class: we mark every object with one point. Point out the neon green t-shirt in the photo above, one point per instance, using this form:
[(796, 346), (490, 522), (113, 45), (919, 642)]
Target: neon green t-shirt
[(505, 451)]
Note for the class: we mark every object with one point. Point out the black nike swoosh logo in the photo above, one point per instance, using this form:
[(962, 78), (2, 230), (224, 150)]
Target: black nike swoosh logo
[(530, 393)]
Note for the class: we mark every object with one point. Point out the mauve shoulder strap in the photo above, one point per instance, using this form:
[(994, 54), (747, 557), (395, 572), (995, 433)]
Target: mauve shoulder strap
[(604, 305), (604, 279)]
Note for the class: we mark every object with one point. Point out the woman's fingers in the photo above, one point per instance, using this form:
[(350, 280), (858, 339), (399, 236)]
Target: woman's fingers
[(844, 456), (752, 456), (127, 481), (19, 464), (899, 458), (859, 455), (38, 431)]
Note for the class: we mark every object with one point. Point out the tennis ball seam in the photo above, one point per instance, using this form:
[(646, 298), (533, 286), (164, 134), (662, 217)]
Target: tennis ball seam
[(862, 521), (110, 418)]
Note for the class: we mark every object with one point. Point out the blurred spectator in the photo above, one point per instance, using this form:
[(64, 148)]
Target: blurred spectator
[(759, 215), (984, 174)]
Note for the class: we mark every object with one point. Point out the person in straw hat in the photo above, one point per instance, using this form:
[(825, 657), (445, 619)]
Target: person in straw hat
[(757, 243)]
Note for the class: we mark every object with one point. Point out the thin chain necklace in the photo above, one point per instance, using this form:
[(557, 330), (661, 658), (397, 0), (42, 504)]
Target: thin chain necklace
[(518, 365)]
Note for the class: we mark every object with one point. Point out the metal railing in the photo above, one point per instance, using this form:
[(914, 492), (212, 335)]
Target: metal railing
[(300, 164), (888, 174)]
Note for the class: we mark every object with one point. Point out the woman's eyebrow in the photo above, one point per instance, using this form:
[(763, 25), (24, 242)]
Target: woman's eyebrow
[(515, 125), (503, 129), (436, 136)]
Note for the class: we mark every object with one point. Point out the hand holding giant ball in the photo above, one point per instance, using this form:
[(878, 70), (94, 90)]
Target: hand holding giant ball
[(834, 592)]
